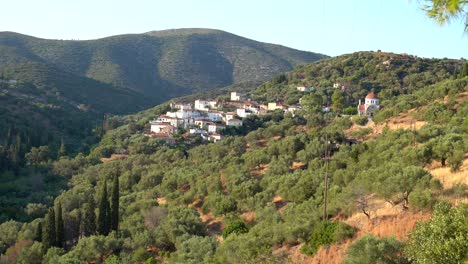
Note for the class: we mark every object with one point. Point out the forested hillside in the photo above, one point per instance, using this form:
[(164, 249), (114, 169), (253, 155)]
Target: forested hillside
[(356, 74), (62, 95), (64, 91), (256, 195), (159, 64)]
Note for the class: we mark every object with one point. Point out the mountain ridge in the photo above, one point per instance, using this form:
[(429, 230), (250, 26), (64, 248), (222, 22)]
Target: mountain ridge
[(160, 64)]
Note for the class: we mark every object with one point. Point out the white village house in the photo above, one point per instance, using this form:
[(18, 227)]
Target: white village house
[(215, 128), (234, 122), (162, 127), (236, 96)]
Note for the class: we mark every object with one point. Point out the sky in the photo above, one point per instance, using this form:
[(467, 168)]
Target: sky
[(331, 27)]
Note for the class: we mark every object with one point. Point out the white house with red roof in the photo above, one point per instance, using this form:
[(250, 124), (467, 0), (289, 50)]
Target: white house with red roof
[(162, 127), (234, 122), (371, 105), (274, 106), (229, 115), (202, 122), (216, 137), (215, 128)]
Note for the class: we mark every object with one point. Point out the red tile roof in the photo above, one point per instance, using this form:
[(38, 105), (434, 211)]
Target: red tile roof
[(161, 135), (371, 96), (161, 123), (362, 107)]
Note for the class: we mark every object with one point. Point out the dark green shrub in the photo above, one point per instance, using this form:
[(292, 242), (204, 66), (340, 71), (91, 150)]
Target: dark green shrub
[(343, 231), (351, 111), (360, 120), (422, 200), (326, 233), (236, 227), (361, 132), (370, 249)]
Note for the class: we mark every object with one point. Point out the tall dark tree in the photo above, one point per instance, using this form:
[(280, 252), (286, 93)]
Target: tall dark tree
[(103, 223), (48, 234), (62, 151), (59, 227), (337, 101), (464, 70), (89, 218), (114, 212), (38, 235)]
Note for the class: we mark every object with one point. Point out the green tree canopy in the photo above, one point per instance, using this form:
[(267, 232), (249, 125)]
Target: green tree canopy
[(442, 239), (370, 249), (444, 11)]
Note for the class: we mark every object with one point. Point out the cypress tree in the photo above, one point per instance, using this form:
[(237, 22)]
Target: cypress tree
[(38, 235), (59, 227), (62, 151), (48, 235), (103, 223), (114, 215), (89, 220), (464, 70)]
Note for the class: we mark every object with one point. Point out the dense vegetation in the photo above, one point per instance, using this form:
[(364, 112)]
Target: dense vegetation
[(62, 95), (47, 114), (159, 64), (356, 74), (260, 192)]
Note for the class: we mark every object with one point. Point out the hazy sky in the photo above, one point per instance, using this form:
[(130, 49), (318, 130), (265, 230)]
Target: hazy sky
[(332, 27)]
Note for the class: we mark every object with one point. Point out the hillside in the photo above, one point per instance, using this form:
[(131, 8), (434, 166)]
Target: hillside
[(258, 197), (354, 75), (43, 105), (64, 91), (159, 64)]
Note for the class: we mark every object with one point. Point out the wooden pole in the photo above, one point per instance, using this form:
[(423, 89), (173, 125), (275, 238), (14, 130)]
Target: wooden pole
[(325, 194)]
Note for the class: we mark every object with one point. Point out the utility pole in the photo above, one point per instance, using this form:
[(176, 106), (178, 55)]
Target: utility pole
[(327, 165), (413, 126)]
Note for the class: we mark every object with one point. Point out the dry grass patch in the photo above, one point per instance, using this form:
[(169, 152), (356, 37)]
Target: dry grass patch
[(448, 178), (114, 157), (214, 225), (297, 165), (259, 171), (161, 200), (249, 217)]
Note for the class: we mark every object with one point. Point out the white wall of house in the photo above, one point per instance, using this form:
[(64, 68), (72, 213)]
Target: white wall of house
[(183, 107), (214, 128), (229, 116), (372, 101), (242, 112), (236, 96), (198, 131), (202, 105), (160, 127), (213, 104), (215, 116), (234, 122)]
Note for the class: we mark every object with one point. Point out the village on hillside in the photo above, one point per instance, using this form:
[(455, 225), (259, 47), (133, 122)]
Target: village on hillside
[(206, 119)]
